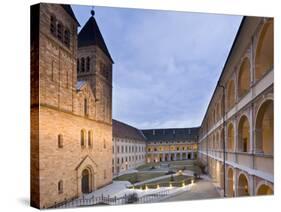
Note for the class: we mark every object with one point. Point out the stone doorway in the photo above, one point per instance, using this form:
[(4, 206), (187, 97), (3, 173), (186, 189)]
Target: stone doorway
[(85, 181)]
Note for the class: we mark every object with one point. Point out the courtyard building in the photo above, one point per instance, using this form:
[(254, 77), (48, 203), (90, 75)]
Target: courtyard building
[(171, 144), (128, 147), (236, 138)]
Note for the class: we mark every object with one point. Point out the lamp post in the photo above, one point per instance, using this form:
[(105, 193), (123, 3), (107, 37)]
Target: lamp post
[(224, 152)]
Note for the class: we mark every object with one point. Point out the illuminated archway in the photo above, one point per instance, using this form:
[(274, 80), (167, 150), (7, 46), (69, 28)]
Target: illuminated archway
[(264, 128), (264, 52), (244, 78), (244, 135), (264, 190), (243, 185)]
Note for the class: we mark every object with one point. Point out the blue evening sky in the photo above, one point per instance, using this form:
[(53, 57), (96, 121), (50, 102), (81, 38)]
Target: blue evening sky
[(167, 63)]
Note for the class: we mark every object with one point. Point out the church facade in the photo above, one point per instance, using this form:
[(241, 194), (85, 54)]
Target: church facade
[(71, 97)]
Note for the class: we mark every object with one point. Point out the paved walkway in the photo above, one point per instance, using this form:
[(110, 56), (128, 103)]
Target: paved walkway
[(202, 189)]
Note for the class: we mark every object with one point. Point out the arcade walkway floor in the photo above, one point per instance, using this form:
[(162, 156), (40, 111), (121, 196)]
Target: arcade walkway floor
[(203, 189)]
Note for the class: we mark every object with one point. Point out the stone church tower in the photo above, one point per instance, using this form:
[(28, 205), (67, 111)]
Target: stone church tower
[(94, 64)]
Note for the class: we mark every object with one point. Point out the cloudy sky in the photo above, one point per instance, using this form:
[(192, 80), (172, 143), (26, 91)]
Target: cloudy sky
[(167, 63)]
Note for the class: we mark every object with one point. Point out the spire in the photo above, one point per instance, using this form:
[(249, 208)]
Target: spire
[(91, 35)]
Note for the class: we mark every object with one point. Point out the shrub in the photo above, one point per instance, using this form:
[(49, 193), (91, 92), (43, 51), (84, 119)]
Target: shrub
[(170, 172), (132, 198), (201, 165)]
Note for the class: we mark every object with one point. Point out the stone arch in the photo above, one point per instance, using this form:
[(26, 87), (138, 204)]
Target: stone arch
[(264, 126), (244, 77), (230, 137), (230, 182), (244, 134), (87, 180), (230, 94), (243, 185), (264, 188), (264, 59)]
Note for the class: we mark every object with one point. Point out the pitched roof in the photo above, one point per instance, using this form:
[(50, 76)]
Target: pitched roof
[(171, 134), (122, 130), (70, 12), (90, 35)]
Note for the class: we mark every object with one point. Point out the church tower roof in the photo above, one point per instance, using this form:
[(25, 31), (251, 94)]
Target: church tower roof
[(90, 35)]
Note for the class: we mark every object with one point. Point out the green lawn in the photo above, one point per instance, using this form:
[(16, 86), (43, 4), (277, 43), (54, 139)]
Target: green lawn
[(175, 181), (174, 165), (139, 177)]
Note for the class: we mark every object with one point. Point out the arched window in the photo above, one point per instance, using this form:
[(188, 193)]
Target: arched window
[(104, 174), (83, 138), (244, 78), (78, 65), (53, 26), (264, 138), (90, 139), (87, 64), (60, 141), (230, 95), (244, 135), (230, 137), (66, 39), (264, 52), (85, 107), (59, 31), (60, 187), (82, 64)]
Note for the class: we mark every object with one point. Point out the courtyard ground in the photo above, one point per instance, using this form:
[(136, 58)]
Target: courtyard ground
[(202, 189)]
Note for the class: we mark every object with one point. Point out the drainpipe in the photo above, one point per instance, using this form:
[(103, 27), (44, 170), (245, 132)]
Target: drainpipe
[(224, 151)]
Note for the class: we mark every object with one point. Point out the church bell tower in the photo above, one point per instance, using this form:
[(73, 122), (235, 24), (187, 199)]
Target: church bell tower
[(94, 65)]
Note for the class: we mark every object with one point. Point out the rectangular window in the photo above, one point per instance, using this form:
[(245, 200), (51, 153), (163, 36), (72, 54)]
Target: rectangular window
[(60, 141), (66, 39)]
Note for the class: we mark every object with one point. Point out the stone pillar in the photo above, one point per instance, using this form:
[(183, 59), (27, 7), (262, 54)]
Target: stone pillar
[(251, 186), (181, 156)]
